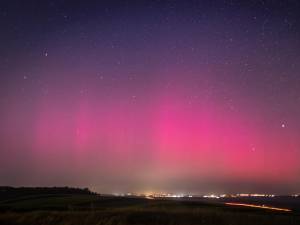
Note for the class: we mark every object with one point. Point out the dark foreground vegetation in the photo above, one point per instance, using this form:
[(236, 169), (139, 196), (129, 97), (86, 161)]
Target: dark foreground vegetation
[(72, 208)]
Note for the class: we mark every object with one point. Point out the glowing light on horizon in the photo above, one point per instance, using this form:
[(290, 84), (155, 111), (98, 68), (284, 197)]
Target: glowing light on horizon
[(211, 196)]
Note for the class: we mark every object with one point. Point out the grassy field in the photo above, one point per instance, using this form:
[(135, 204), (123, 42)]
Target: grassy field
[(93, 209)]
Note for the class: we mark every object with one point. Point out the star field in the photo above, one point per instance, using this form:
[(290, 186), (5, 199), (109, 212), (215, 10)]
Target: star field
[(191, 96)]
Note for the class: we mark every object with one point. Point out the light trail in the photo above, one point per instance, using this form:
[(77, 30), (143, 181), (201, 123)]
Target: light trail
[(258, 206), (149, 197)]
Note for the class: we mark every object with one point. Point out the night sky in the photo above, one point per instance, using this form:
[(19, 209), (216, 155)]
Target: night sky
[(174, 96)]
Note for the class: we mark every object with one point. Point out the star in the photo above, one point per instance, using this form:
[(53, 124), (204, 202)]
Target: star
[(283, 125)]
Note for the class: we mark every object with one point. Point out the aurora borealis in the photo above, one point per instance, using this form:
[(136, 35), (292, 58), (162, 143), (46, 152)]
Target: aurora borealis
[(182, 96)]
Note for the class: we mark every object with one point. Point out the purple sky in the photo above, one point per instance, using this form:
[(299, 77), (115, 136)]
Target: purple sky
[(181, 96)]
